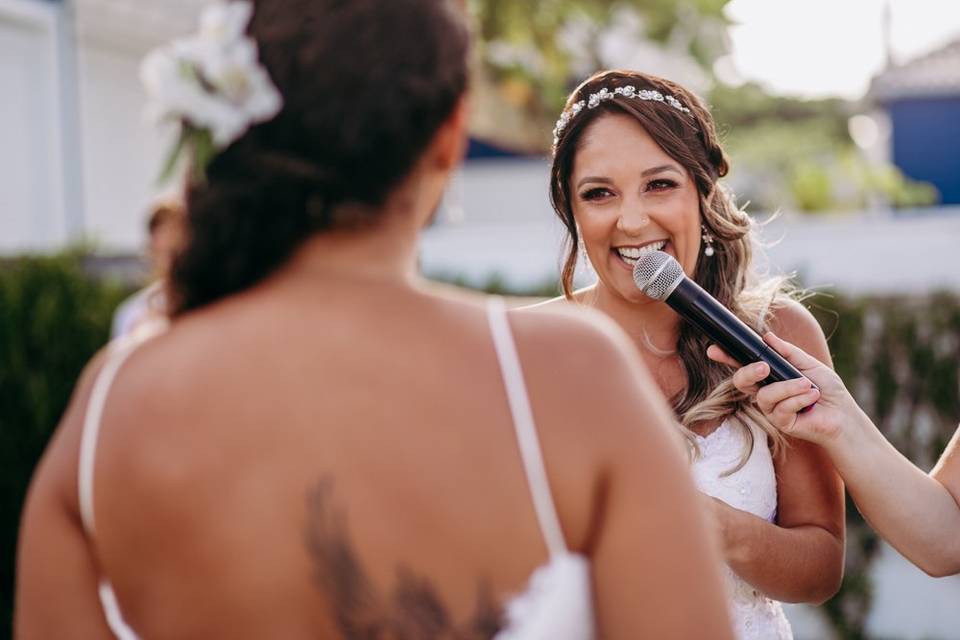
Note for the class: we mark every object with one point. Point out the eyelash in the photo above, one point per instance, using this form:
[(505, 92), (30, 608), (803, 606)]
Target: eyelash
[(594, 194), (658, 185), (666, 184)]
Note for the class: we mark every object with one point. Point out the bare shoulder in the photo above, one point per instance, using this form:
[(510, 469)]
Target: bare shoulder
[(57, 471), (558, 302), (794, 323), (600, 417), (546, 305), (590, 373), (566, 330)]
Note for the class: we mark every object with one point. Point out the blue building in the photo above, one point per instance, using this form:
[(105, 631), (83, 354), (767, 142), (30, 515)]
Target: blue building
[(922, 98)]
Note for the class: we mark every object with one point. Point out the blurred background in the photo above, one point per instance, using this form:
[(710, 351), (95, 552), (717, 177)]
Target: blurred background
[(842, 118)]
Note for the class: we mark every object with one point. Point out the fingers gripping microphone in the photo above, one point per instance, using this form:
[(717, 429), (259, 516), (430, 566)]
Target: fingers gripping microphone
[(661, 277)]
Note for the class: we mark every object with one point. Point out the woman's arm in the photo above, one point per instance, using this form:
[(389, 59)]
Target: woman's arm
[(654, 561), (799, 558), (56, 591), (918, 514), (605, 425)]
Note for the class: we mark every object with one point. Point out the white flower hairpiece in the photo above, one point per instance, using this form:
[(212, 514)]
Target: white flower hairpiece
[(594, 99), (211, 83)]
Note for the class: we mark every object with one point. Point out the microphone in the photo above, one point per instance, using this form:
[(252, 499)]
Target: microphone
[(660, 276)]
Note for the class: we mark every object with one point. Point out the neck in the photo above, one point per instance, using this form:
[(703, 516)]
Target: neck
[(384, 251), (652, 325)]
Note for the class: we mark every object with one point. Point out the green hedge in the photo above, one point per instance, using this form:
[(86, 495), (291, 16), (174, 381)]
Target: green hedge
[(52, 320), (901, 358), (900, 355)]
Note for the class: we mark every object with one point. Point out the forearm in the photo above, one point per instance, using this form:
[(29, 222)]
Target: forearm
[(914, 512), (800, 564)]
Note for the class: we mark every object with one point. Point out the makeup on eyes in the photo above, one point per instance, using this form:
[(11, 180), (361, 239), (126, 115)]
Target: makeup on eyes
[(657, 185)]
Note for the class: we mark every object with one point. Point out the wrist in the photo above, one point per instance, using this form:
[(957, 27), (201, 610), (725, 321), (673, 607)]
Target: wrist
[(730, 534), (855, 434)]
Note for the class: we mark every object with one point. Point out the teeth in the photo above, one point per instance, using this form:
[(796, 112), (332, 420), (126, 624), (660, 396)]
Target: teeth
[(632, 254)]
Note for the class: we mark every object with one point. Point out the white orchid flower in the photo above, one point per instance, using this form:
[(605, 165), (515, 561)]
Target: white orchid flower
[(213, 82), (225, 21)]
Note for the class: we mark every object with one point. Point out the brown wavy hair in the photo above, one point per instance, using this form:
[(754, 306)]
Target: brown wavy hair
[(691, 139)]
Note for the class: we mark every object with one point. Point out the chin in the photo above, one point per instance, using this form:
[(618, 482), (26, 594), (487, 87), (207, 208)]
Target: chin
[(627, 290)]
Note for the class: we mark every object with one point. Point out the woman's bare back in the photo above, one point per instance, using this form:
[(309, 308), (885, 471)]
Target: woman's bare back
[(271, 463)]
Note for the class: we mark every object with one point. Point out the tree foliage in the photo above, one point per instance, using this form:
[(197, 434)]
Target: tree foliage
[(533, 30)]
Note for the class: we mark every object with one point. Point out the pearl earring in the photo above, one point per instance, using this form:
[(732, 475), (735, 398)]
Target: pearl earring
[(707, 241)]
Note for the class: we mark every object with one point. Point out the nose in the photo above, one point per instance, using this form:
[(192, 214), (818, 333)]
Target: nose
[(632, 219)]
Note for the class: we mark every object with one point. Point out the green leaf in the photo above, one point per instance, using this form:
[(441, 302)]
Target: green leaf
[(204, 150), (173, 156)]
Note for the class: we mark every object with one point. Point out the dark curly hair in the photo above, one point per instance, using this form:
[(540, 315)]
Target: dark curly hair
[(365, 86)]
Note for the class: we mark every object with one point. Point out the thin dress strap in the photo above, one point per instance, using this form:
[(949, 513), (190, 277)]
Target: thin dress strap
[(117, 353), (524, 426)]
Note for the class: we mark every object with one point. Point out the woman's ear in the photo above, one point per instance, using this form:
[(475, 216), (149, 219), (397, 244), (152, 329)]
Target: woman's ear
[(450, 141)]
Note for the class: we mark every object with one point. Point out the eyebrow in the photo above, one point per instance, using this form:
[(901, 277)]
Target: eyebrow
[(648, 172), (660, 169)]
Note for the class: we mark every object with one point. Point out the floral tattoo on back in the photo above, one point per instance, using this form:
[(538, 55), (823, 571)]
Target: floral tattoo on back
[(413, 610)]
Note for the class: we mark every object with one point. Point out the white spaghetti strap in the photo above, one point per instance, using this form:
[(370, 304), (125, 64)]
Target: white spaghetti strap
[(111, 611), (117, 354), (524, 426)]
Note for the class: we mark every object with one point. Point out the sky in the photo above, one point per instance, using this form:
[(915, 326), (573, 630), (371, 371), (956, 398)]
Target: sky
[(816, 48)]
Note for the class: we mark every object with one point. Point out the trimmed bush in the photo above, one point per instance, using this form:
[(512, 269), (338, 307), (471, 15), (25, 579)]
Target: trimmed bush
[(53, 318)]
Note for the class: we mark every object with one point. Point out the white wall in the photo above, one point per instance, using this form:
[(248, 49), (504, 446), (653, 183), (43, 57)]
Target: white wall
[(907, 604), (507, 228), (121, 152), (32, 212), (77, 159)]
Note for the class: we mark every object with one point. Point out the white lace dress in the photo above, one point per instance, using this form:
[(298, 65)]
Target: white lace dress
[(752, 488)]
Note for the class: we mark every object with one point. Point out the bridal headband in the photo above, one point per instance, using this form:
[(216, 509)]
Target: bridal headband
[(595, 99), (211, 84)]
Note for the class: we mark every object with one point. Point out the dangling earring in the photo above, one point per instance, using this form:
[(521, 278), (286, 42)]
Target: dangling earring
[(708, 250), (582, 255)]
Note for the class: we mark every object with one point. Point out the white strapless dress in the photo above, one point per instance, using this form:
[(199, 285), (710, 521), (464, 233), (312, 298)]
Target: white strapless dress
[(752, 488)]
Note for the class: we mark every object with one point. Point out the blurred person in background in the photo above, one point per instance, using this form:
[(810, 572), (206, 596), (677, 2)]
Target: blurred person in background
[(917, 513), (321, 446), (166, 228), (636, 168)]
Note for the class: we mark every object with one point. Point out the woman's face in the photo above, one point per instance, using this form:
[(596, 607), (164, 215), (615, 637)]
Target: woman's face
[(628, 197)]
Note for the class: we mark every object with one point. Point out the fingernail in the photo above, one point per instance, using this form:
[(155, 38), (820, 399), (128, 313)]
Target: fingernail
[(760, 367)]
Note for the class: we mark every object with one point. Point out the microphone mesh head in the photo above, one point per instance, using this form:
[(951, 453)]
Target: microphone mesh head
[(657, 274)]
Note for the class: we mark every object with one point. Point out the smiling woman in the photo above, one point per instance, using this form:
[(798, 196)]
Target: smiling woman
[(636, 168)]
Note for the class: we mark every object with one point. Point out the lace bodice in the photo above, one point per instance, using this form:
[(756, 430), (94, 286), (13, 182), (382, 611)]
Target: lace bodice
[(752, 488)]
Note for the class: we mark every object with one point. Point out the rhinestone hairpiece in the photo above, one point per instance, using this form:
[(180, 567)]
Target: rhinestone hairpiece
[(595, 99)]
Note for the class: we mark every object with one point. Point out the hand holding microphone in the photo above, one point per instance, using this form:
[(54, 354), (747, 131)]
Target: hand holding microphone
[(661, 277), (838, 423)]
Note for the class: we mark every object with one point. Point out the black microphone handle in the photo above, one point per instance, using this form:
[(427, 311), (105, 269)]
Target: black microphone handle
[(742, 343)]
